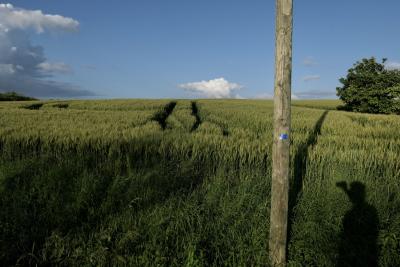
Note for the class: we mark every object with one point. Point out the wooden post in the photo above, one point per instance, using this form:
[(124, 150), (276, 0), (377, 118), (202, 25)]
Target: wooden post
[(281, 142)]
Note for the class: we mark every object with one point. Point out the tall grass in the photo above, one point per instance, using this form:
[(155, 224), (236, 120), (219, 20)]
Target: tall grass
[(136, 183)]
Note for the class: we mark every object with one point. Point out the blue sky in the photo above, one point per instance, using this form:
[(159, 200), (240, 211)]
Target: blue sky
[(156, 48)]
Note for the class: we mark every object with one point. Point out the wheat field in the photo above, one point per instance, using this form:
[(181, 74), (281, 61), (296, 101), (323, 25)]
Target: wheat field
[(187, 183)]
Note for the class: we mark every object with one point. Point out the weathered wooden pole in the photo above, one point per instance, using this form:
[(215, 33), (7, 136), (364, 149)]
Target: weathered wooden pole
[(281, 142)]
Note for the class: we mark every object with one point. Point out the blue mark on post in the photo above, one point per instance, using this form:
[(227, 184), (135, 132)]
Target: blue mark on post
[(283, 136)]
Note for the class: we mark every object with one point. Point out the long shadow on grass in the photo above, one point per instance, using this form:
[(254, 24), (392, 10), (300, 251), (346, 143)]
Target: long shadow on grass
[(161, 117), (358, 238), (61, 105), (195, 113), (300, 168), (35, 106)]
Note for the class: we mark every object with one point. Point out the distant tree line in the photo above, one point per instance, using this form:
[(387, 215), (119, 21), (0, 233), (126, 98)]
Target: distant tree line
[(371, 88), (13, 96)]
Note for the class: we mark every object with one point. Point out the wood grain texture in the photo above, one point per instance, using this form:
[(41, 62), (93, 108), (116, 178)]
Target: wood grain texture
[(281, 146)]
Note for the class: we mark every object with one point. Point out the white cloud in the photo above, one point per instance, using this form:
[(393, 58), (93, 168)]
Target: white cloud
[(24, 67), (295, 97), (311, 78), (392, 65), (18, 18), (309, 62), (57, 67), (217, 88)]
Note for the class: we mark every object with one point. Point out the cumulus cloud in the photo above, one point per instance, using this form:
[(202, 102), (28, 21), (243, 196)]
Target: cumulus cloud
[(18, 18), (216, 88), (311, 78), (23, 66), (392, 65)]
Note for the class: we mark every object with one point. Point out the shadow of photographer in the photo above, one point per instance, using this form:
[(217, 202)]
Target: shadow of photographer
[(358, 238)]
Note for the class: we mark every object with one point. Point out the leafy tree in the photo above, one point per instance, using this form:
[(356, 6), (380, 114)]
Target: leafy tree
[(370, 87)]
